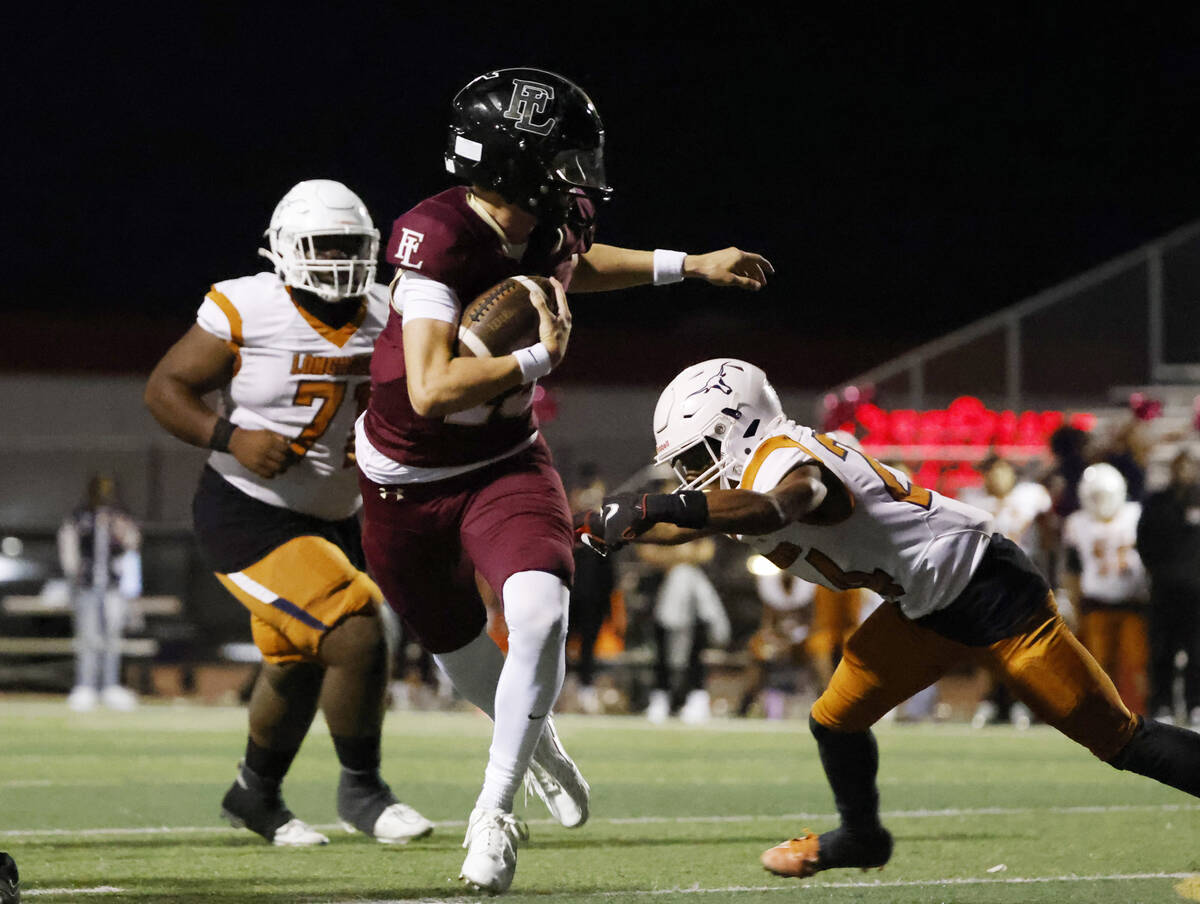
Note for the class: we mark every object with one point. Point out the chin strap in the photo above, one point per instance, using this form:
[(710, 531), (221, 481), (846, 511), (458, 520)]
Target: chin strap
[(272, 257)]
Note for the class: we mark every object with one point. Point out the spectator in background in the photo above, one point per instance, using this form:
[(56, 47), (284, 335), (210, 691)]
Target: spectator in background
[(778, 644), (99, 550), (1129, 450), (1106, 582), (688, 618), (1168, 538), (1067, 446), (591, 592)]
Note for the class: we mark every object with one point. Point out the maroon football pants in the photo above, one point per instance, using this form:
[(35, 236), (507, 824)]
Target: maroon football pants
[(424, 542)]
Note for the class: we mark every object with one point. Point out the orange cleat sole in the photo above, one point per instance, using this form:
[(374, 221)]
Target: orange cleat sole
[(796, 858)]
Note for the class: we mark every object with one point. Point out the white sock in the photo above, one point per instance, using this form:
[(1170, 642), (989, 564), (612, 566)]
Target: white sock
[(474, 671), (535, 607)]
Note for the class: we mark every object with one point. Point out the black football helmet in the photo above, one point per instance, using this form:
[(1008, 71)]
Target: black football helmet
[(531, 135)]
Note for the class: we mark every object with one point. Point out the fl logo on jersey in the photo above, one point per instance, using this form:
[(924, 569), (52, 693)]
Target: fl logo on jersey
[(528, 105)]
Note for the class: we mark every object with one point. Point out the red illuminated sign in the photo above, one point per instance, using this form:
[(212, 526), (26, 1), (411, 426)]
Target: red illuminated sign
[(966, 422)]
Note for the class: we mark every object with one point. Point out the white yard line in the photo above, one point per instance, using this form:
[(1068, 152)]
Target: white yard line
[(795, 887), (98, 890), (645, 820)]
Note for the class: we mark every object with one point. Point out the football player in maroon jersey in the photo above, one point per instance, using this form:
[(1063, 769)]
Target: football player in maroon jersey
[(455, 476)]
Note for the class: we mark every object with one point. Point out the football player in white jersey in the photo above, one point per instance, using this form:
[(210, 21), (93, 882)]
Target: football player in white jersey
[(1107, 582), (954, 591), (276, 509)]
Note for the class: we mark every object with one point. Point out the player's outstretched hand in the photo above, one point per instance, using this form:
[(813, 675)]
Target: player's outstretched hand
[(554, 328), (730, 267), (624, 518), (589, 528), (264, 452)]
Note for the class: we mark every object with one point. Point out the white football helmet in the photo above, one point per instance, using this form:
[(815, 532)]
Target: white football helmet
[(709, 419), (1102, 491), (313, 218)]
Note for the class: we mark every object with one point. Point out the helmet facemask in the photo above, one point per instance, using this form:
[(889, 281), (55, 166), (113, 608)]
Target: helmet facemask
[(699, 465), (331, 263)]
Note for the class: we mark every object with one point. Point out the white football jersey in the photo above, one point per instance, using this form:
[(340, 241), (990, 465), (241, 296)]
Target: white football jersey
[(900, 540), (1014, 515), (300, 378), (1111, 569)]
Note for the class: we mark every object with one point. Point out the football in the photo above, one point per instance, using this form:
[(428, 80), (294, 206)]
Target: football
[(503, 319)]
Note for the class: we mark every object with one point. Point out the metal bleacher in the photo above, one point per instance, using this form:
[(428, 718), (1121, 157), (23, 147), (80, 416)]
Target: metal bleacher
[(1059, 344)]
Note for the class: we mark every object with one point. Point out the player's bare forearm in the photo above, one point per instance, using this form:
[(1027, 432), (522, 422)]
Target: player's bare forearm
[(673, 535), (747, 512), (606, 267), (194, 366), (439, 383), (627, 517)]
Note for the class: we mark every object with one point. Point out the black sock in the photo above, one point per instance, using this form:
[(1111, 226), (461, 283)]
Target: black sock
[(358, 754), (1166, 753), (850, 760), (270, 765)]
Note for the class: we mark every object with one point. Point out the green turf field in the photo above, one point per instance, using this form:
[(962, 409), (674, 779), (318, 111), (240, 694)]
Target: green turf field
[(123, 807)]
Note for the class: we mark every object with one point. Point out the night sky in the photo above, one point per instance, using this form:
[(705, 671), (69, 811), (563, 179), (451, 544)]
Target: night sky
[(906, 173)]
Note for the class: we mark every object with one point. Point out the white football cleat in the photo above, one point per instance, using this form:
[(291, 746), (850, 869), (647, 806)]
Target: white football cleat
[(1020, 716), (556, 779), (491, 843), (82, 698), (696, 709), (119, 698), (985, 714), (398, 824), (297, 833), (659, 708)]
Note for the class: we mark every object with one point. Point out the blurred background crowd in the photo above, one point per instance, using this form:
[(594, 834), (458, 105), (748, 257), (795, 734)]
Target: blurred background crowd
[(107, 605)]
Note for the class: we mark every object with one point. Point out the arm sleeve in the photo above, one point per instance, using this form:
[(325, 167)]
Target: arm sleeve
[(418, 297)]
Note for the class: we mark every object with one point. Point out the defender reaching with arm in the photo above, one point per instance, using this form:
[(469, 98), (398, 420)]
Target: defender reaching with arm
[(954, 591)]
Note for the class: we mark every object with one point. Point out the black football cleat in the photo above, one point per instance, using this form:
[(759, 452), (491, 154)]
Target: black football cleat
[(254, 803), (366, 804)]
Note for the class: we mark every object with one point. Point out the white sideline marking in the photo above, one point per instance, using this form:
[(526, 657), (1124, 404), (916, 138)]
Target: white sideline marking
[(643, 820), (792, 887), (98, 890)]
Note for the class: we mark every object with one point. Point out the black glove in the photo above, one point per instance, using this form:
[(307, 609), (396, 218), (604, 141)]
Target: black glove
[(589, 529), (623, 519), (629, 515)]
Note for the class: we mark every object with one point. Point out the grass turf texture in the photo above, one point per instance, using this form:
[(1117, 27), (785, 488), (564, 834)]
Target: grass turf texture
[(129, 801)]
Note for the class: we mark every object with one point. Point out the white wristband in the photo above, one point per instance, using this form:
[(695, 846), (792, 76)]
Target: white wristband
[(534, 361), (668, 266)]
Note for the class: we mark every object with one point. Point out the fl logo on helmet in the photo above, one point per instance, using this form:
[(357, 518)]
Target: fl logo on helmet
[(528, 103)]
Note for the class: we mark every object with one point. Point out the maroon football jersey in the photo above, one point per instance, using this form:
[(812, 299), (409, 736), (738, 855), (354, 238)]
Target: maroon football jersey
[(444, 239)]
